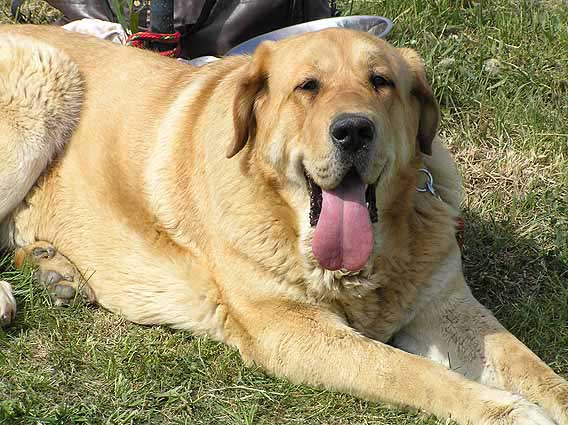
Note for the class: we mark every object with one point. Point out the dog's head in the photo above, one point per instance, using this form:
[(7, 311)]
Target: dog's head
[(331, 115)]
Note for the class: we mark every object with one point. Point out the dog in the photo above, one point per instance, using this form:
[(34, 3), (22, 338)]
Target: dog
[(273, 202)]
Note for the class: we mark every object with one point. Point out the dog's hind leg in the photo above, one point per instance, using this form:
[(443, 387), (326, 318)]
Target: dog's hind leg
[(61, 278), (40, 97), (41, 92)]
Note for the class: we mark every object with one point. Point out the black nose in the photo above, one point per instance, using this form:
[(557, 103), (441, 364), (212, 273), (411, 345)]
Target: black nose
[(351, 132)]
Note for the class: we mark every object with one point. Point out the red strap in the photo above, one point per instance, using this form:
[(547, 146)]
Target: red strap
[(141, 40), (460, 229)]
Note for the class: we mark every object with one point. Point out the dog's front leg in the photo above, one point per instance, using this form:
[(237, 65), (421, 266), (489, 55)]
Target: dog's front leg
[(457, 331), (311, 345)]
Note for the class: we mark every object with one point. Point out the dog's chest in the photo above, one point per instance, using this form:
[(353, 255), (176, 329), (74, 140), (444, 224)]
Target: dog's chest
[(380, 313), (397, 297)]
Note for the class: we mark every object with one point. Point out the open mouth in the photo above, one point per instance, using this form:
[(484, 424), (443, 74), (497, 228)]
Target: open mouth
[(343, 238), (316, 200)]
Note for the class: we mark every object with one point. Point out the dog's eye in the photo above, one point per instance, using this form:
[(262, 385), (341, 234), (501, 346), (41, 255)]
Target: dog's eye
[(379, 81), (310, 84)]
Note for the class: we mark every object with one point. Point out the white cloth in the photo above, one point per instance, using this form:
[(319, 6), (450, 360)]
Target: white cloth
[(101, 29)]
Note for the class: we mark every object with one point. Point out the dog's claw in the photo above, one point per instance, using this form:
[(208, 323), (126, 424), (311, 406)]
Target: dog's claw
[(44, 252), (47, 277), (65, 292)]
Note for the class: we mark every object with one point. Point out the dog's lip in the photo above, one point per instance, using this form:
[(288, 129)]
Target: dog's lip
[(337, 182)]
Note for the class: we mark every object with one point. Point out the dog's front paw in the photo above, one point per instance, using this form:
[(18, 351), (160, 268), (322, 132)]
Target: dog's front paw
[(7, 304), (517, 411)]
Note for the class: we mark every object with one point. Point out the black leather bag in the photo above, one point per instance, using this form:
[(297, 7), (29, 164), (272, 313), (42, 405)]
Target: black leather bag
[(211, 27)]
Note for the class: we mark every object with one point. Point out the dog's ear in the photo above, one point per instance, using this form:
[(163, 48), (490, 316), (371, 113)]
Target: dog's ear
[(429, 110), (252, 82)]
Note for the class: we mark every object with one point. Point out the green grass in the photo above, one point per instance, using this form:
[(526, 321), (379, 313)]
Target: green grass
[(509, 132), (31, 11)]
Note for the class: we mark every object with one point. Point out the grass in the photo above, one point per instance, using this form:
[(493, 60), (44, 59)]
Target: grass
[(509, 131), (31, 11)]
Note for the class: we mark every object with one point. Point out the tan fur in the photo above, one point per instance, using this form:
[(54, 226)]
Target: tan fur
[(144, 201)]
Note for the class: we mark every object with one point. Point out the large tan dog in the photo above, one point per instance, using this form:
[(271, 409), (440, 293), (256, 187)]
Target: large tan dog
[(268, 201)]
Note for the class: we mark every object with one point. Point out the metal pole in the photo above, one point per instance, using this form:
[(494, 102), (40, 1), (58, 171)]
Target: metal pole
[(162, 16)]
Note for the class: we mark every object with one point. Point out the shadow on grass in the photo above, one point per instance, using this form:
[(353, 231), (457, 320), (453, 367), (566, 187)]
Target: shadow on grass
[(502, 266), (523, 284)]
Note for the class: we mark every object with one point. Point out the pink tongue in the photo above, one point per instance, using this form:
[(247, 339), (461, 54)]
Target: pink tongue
[(344, 234)]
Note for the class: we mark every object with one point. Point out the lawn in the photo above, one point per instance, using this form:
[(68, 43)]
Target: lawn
[(500, 71)]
